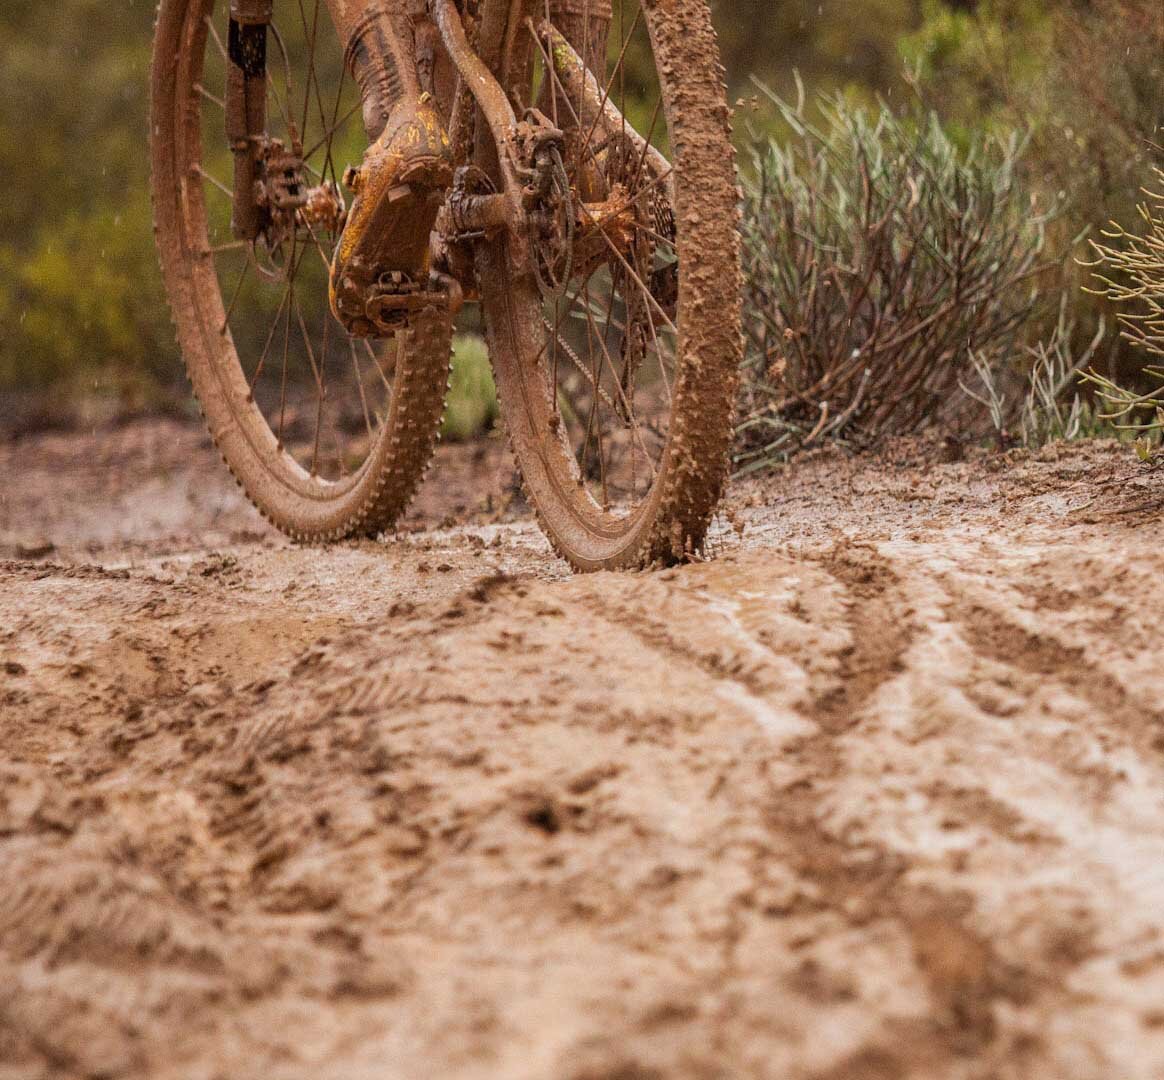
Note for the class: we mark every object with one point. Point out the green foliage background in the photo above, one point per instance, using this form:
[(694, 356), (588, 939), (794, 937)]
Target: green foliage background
[(80, 300), (84, 318)]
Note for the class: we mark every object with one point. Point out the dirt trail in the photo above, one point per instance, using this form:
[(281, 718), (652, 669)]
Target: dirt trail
[(877, 793)]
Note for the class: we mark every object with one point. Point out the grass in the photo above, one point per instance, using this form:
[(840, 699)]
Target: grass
[(471, 409)]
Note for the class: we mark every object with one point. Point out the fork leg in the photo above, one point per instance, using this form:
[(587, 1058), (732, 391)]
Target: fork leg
[(246, 108)]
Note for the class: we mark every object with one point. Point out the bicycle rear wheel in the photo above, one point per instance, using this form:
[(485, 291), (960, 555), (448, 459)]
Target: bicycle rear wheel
[(328, 435), (617, 352)]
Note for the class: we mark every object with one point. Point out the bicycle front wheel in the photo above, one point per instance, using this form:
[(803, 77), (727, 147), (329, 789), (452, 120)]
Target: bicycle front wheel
[(617, 348), (328, 435)]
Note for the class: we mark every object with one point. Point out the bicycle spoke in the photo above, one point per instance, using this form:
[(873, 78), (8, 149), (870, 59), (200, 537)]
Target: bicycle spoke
[(287, 121), (379, 367), (267, 346), (360, 383), (622, 73), (617, 68), (312, 80), (551, 74), (660, 358), (554, 358), (309, 33), (634, 275), (213, 180), (223, 249), (646, 230), (618, 386), (638, 193), (329, 133), (217, 40), (320, 397), (214, 99), (319, 248), (592, 418), (326, 139), (286, 351), (574, 359), (315, 372), (647, 143), (235, 298), (566, 311), (602, 456)]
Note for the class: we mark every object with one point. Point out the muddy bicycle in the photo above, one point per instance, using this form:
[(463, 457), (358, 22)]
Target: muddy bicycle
[(588, 209)]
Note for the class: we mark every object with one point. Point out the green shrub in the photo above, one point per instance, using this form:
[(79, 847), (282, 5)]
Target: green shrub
[(83, 300), (1037, 400), (1085, 78), (471, 408), (86, 330), (879, 259)]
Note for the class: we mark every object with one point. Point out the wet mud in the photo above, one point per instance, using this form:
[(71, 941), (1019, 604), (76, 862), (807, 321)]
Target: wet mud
[(876, 792)]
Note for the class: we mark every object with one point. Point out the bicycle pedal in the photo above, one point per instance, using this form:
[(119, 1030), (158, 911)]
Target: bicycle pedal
[(396, 297)]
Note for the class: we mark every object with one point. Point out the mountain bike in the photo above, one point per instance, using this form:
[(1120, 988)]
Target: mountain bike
[(592, 220)]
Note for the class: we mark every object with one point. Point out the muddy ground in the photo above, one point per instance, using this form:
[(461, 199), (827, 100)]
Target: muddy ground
[(876, 793)]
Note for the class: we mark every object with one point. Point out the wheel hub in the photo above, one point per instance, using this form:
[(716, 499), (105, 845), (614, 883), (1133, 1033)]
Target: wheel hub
[(288, 201)]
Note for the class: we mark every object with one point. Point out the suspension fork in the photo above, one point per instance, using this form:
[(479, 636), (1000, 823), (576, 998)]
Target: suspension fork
[(246, 109)]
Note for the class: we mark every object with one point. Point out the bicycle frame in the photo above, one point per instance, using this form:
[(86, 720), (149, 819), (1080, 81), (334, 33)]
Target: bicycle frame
[(476, 75), (516, 154), (514, 143)]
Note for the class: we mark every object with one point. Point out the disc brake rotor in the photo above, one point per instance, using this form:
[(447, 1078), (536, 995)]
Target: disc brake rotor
[(643, 223), (551, 225)]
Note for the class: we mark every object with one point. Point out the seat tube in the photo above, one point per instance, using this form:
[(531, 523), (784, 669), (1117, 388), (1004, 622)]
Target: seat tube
[(380, 44)]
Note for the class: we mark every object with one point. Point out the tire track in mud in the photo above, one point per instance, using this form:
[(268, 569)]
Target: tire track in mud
[(1040, 655), (868, 883), (746, 629), (865, 882), (847, 875), (880, 627), (1072, 712), (1029, 746)]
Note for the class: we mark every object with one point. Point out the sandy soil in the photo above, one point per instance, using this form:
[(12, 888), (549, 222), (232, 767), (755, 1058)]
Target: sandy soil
[(876, 793)]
